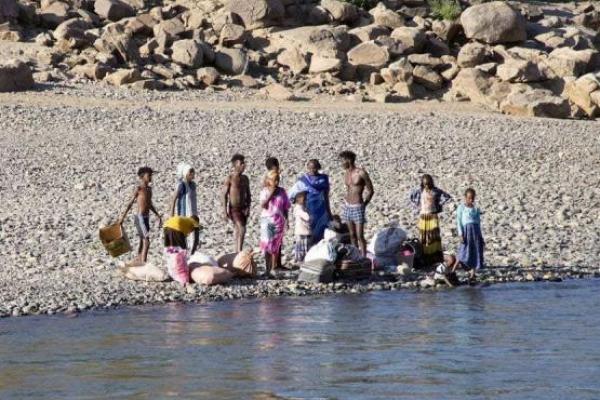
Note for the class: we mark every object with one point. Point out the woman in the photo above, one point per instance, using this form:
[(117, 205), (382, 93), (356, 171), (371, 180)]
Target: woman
[(273, 221), (316, 186), (429, 200)]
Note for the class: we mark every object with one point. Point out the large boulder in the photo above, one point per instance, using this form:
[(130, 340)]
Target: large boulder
[(169, 29), (319, 64), (257, 13), (15, 76), (427, 77), (9, 11), (565, 61), (413, 39), (72, 29), (278, 92), (536, 103), (383, 16), (479, 87), (208, 75), (187, 53), (398, 71), (54, 14), (113, 10), (231, 61), (585, 93), (340, 11), (517, 70), (472, 54), (494, 22), (294, 59), (123, 77), (369, 54), (232, 34), (116, 40)]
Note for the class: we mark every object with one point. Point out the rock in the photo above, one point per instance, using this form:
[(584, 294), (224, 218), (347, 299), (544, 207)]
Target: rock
[(516, 70), (94, 71), (54, 14), (412, 39), (398, 71), (494, 22), (385, 17), (44, 39), (427, 77), (369, 54), (231, 61), (148, 84), (170, 29), (294, 59), (123, 77), (472, 54), (278, 92), (425, 59), (446, 30), (368, 32), (149, 47), (258, 13), (536, 103), (480, 87), (208, 75), (248, 82), (589, 19), (565, 61), (232, 34), (117, 41), (450, 72), (188, 53), (404, 90), (340, 11), (72, 29), (319, 64), (113, 10), (11, 36), (327, 41), (15, 76), (585, 93)]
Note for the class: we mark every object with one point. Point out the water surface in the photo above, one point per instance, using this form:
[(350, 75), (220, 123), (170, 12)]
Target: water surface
[(517, 341)]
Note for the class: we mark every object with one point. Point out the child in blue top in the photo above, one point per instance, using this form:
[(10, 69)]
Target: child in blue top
[(468, 219), (184, 203)]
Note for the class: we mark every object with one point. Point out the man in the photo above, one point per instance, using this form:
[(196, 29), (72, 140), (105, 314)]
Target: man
[(236, 199), (359, 192)]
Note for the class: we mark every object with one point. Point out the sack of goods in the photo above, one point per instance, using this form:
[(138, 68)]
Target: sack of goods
[(319, 271), (114, 239), (350, 269), (147, 273), (322, 251), (386, 245), (177, 265)]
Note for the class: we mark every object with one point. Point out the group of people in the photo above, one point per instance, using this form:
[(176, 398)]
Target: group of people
[(309, 197)]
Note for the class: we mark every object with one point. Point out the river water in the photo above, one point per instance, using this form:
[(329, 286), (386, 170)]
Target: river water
[(514, 341)]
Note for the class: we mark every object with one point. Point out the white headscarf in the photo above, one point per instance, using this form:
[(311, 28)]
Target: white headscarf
[(182, 170)]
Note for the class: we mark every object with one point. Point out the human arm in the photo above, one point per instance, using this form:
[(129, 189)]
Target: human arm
[(328, 203), (266, 196), (225, 197), (415, 197), (174, 201), (160, 221), (248, 197), (443, 198), (459, 225), (128, 208), (369, 190)]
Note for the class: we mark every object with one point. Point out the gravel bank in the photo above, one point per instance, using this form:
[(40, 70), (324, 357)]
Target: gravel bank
[(68, 166)]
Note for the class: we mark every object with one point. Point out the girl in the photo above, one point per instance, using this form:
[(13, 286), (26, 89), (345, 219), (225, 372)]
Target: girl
[(184, 202), (302, 228), (273, 221), (468, 219), (429, 200)]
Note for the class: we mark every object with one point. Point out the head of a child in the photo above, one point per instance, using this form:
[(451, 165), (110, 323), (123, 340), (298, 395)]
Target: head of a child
[(470, 197), (145, 174), (238, 163), (449, 260), (191, 175), (300, 199), (272, 179), (313, 167), (427, 182), (272, 164), (348, 159)]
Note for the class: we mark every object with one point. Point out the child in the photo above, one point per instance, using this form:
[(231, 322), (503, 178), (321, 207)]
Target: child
[(445, 271), (143, 195), (185, 200), (237, 199), (302, 228), (273, 221), (468, 219), (272, 164)]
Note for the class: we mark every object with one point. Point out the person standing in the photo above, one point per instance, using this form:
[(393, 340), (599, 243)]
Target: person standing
[(273, 221), (185, 203), (429, 201), (468, 220), (316, 186), (302, 230), (236, 199), (359, 192)]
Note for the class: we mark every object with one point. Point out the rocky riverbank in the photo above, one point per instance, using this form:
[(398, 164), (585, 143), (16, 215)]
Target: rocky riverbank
[(520, 58), (69, 157)]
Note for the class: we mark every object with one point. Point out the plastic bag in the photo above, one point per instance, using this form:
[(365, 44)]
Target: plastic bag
[(201, 259), (387, 241), (324, 250), (177, 265)]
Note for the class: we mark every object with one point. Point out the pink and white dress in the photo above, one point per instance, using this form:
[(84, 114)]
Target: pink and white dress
[(273, 220)]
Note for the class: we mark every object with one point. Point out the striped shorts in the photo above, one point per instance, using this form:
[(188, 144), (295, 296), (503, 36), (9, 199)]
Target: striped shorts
[(354, 213)]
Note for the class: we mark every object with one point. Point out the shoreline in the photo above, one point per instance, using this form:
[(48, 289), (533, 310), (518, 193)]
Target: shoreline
[(262, 289)]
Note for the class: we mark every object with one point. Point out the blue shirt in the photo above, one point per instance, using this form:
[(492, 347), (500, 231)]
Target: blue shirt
[(187, 205), (467, 215)]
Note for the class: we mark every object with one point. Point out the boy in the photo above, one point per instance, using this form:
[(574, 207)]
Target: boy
[(237, 199), (143, 195)]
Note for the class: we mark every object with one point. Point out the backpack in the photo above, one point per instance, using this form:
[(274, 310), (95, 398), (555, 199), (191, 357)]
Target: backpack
[(318, 271)]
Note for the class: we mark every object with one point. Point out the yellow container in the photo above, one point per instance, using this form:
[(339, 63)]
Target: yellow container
[(115, 240)]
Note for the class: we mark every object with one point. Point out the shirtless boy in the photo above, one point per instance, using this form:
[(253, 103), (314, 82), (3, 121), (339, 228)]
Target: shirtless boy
[(143, 196), (237, 199), (359, 192)]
